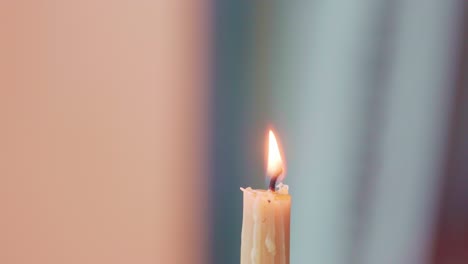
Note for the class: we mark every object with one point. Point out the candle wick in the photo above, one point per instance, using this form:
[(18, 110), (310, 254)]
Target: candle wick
[(273, 180), (273, 183)]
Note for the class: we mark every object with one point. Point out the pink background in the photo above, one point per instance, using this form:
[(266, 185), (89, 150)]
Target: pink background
[(102, 125)]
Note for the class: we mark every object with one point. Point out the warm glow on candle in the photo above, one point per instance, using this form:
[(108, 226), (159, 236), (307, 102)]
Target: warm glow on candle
[(275, 166)]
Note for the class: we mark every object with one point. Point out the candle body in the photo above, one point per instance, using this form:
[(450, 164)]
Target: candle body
[(265, 227)]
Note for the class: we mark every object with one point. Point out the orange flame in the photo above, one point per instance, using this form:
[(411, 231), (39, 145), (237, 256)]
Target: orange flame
[(275, 166)]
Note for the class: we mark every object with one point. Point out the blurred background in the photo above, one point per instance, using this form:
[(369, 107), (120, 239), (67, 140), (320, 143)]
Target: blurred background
[(127, 128)]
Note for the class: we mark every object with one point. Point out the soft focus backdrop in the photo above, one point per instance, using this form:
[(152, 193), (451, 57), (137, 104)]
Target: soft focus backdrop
[(369, 99), (127, 128)]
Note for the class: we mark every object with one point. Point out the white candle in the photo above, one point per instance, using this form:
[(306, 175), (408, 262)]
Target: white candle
[(266, 217)]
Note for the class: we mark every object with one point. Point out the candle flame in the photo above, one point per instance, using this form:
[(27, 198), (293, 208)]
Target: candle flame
[(275, 166)]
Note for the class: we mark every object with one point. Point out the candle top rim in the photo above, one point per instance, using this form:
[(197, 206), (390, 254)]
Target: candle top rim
[(283, 191)]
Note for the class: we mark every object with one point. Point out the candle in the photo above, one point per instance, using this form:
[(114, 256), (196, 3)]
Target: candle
[(266, 216)]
